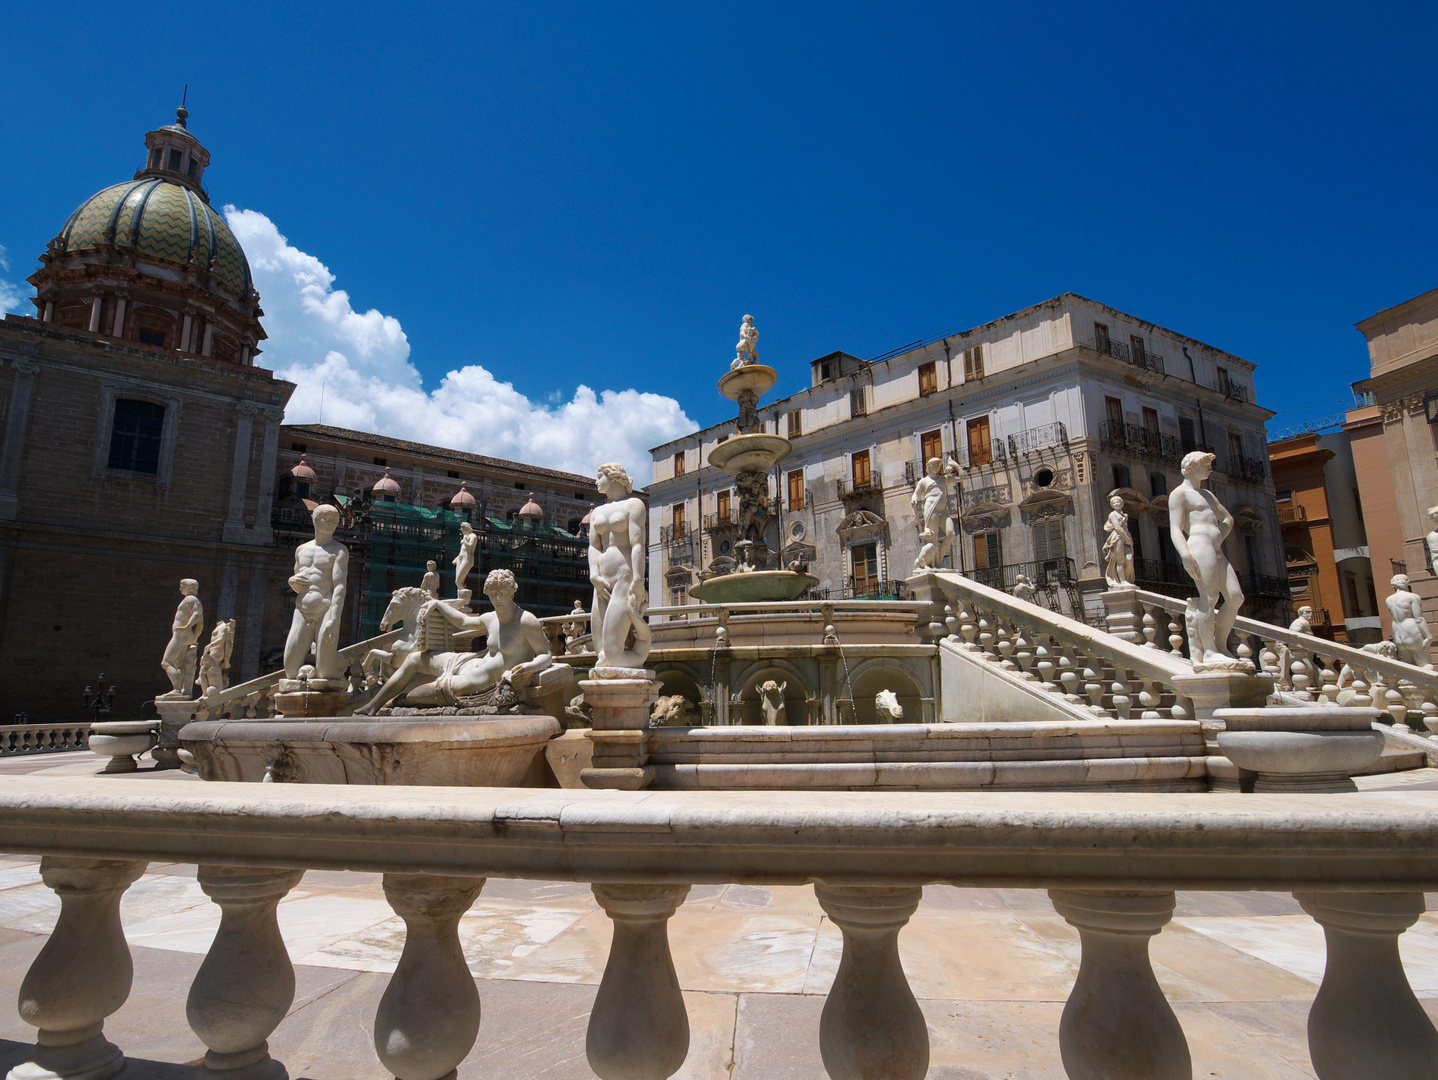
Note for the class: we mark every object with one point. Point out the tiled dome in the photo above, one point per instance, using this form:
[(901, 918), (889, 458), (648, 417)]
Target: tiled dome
[(463, 499), (386, 485), (531, 510), (302, 471)]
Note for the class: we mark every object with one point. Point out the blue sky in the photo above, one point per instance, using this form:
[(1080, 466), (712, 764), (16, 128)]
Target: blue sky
[(541, 197)]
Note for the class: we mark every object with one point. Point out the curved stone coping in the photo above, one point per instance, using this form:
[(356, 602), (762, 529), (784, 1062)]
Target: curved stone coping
[(1357, 841), (497, 731), (1299, 718), (1114, 773)]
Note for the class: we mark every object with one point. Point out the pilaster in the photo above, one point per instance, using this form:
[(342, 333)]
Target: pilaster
[(16, 422)]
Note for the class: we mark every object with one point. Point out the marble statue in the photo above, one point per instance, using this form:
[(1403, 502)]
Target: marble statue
[(215, 660), (179, 658), (1431, 541), (1118, 548), (617, 542), (771, 703), (464, 561), (1024, 587), (517, 652), (886, 704), (402, 610), (575, 628), (1198, 525), (675, 710), (321, 571), (430, 582), (931, 516), (1303, 624), (747, 351), (1410, 628)]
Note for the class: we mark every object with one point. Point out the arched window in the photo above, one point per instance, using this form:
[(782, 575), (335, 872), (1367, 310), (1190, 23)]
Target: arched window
[(73, 313), (135, 436)]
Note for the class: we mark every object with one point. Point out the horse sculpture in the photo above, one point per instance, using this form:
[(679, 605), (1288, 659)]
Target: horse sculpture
[(404, 605)]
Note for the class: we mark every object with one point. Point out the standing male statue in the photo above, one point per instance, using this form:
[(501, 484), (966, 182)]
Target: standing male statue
[(321, 570), (1431, 541), (616, 567), (179, 659), (215, 660), (931, 515), (1410, 628), (1198, 525)]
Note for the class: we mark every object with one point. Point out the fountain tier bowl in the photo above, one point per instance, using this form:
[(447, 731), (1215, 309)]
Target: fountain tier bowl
[(756, 377), (749, 453), (753, 587)]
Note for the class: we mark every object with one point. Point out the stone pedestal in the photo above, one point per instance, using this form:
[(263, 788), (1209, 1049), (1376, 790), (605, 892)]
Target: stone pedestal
[(1301, 749), (621, 699), (122, 741), (1123, 615), (312, 697), (175, 713), (1214, 690)]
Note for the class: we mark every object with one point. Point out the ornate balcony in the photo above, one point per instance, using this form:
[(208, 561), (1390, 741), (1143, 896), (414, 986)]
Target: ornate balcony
[(1247, 470), (1032, 440), (1291, 513), (1140, 442), (1141, 358)]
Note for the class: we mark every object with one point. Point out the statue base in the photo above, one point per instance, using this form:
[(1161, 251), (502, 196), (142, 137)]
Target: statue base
[(291, 703), (1233, 664), (175, 713), (620, 699)]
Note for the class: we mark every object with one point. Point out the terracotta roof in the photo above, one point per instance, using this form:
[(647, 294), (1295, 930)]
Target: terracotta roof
[(384, 442)]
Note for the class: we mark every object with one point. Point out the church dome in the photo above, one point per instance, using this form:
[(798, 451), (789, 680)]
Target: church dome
[(463, 499), (531, 511), (160, 219), (386, 485)]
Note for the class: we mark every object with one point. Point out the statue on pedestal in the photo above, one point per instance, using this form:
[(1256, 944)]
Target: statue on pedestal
[(1198, 525), (430, 582), (1303, 624), (517, 654), (1024, 587), (1118, 548), (616, 568), (1430, 542), (1410, 629), (179, 659), (576, 627), (747, 351), (464, 561), (931, 516), (321, 570), (215, 660)]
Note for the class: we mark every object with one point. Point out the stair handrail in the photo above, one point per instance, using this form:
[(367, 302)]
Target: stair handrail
[(240, 691)]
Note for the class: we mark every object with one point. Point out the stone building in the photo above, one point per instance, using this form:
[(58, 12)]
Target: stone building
[(1044, 413), (139, 441), (1392, 429), (1325, 543)]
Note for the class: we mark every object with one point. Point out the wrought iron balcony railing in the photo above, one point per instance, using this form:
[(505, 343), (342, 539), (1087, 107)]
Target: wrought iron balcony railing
[(859, 487), (973, 456), (1142, 442), (1291, 513), (1031, 440), (1043, 572), (1140, 357), (1247, 470)]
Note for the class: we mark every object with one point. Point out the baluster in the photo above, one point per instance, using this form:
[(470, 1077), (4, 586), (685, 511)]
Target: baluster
[(951, 622), (1023, 652), (1175, 637), (638, 1029), (1182, 707), (1299, 677), (1378, 690), (1117, 1025), (1328, 680), (1429, 708), (1121, 700), (1092, 684), (246, 984), (1068, 675), (1365, 1020), (1398, 706), (1005, 646), (1359, 686), (967, 629), (1268, 658), (82, 974), (1244, 651), (1148, 697), (871, 1025), (986, 634), (1150, 627), (428, 1018), (1044, 665)]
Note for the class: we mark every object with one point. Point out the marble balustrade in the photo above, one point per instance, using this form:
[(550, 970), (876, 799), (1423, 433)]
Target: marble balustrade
[(42, 738), (1359, 864)]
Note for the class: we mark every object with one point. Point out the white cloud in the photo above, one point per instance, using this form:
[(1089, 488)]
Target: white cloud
[(13, 297), (357, 365)]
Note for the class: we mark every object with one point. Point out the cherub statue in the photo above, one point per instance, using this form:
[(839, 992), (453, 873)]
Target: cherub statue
[(747, 351), (1118, 548), (574, 628), (1024, 587), (215, 660)]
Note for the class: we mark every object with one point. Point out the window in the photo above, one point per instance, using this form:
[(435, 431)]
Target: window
[(974, 363), (297, 447), (1286, 495), (1100, 337), (154, 158), (518, 484), (382, 462), (453, 474), (859, 466), (302, 489), (175, 160), (1113, 413), (152, 337), (931, 445), (1136, 344), (987, 553), (1186, 440), (1121, 478), (1235, 450), (1150, 425), (73, 313), (928, 378), (226, 348), (796, 424), (856, 402), (679, 463), (980, 448), (1224, 386), (1048, 542), (678, 595), (796, 489), (677, 516), (1157, 484), (135, 436), (722, 505), (866, 568), (194, 167)]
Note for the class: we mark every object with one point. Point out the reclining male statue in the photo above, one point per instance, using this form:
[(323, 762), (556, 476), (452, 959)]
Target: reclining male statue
[(517, 653)]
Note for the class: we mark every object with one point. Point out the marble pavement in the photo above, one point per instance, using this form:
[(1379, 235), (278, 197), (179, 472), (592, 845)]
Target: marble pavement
[(991, 968)]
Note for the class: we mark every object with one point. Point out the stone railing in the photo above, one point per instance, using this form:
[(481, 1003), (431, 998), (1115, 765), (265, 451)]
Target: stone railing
[(1310, 668), (1100, 672), (1359, 865), (43, 738)]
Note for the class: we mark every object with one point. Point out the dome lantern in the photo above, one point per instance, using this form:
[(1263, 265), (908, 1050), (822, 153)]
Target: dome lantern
[(176, 155), (532, 511), (386, 488), (463, 499)]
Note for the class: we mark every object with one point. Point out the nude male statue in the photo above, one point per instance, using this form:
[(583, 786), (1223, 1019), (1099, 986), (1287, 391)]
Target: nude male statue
[(616, 567), (179, 659), (215, 660), (1198, 525), (931, 515), (1410, 629), (517, 651), (1430, 542), (321, 570)]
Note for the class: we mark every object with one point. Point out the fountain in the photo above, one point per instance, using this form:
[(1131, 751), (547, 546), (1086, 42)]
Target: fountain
[(749, 457)]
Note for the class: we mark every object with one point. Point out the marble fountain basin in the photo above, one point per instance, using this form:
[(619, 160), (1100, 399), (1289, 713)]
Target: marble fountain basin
[(755, 452), (449, 751), (753, 586)]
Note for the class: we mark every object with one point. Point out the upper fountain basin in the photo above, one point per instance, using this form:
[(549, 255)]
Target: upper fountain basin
[(744, 453), (756, 377)]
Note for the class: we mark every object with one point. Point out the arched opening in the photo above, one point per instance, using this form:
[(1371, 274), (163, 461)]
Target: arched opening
[(794, 693)]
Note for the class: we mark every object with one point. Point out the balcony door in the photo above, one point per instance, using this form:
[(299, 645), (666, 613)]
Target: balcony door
[(866, 569), (1113, 413), (860, 470), (1048, 546), (722, 507), (980, 448)]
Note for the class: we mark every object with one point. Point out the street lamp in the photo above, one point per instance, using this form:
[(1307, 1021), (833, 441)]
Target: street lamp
[(99, 702)]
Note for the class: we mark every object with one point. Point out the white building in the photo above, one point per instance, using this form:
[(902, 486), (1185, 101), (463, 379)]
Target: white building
[(1046, 412)]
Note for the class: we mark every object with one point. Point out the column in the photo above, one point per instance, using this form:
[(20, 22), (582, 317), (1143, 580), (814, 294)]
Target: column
[(21, 388), (184, 343), (97, 303), (252, 629), (208, 339), (1365, 1020), (1117, 1025), (82, 974), (871, 1025), (246, 984), (240, 471), (118, 328), (428, 1018), (638, 1027), (269, 451), (49, 311)]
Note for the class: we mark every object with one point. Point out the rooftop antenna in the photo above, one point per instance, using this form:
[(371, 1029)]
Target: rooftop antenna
[(181, 113)]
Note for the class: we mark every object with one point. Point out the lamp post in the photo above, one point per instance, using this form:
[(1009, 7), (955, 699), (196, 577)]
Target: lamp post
[(100, 701)]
